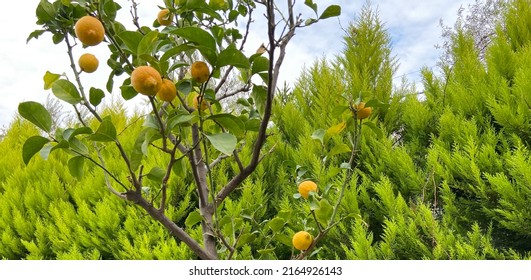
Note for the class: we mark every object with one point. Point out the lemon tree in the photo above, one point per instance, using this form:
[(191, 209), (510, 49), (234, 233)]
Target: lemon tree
[(188, 53)]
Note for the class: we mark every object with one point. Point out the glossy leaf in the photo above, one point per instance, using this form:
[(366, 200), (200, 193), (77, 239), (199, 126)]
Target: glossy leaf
[(75, 166), (36, 114), (95, 96), (223, 142), (71, 132), (148, 43), (311, 4), (197, 36), (331, 11), (276, 224), (193, 219), (260, 64), (106, 132), (324, 212), (319, 135), (234, 57), (66, 91), (32, 146), (49, 78), (230, 122), (156, 174), (339, 149), (131, 39), (77, 146)]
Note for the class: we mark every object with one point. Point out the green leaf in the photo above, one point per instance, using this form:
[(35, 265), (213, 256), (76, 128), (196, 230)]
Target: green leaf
[(230, 122), (253, 125), (45, 151), (156, 174), (45, 11), (32, 146), (339, 149), (331, 11), (131, 39), (75, 166), (137, 154), (259, 95), (193, 219), (71, 132), (375, 129), (266, 251), (106, 131), (375, 103), (147, 44), (128, 92), (223, 142), (324, 212), (197, 36), (319, 135), (77, 146), (245, 238), (234, 57), (276, 224), (66, 91), (35, 35), (182, 118), (95, 96), (61, 145), (179, 168), (36, 114), (175, 51), (260, 64), (311, 4), (49, 78), (284, 239)]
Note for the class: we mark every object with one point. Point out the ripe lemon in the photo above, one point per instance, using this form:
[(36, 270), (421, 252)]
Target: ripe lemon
[(146, 80), (88, 62), (167, 91), (89, 30), (306, 187), (302, 240), (195, 102), (164, 17), (362, 112), (200, 71)]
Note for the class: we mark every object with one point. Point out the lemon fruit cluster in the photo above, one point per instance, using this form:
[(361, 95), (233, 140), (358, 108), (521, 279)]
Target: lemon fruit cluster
[(167, 91), (89, 30), (146, 80), (302, 240), (88, 63), (306, 187), (164, 17), (362, 112), (200, 71)]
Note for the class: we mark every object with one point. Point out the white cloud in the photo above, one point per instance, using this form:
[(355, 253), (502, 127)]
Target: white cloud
[(413, 26)]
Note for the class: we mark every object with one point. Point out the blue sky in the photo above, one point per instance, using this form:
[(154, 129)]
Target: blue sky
[(413, 27)]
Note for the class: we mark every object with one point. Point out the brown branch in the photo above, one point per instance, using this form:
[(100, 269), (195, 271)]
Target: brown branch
[(174, 229)]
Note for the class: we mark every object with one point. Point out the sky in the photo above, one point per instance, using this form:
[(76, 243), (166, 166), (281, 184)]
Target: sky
[(412, 25)]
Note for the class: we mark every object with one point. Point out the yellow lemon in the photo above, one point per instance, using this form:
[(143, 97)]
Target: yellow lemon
[(362, 112), (146, 80), (200, 71), (88, 62), (89, 30), (164, 17), (167, 91), (306, 187), (302, 240)]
